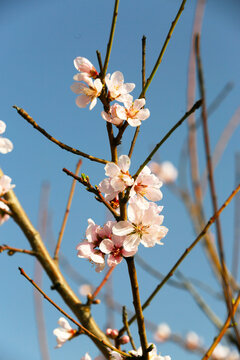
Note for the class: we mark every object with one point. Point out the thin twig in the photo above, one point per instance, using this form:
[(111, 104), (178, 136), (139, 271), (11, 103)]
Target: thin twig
[(192, 139), (99, 60), (110, 41), (159, 60), (199, 300), (65, 218), (112, 142), (218, 338), (125, 323), (186, 252), (143, 84), (187, 114), (11, 250), (38, 274), (30, 120), (236, 246), (84, 180), (225, 283), (137, 306), (221, 145), (103, 282), (82, 328), (5, 211)]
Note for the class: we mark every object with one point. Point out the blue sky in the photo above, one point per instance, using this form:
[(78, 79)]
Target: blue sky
[(39, 40)]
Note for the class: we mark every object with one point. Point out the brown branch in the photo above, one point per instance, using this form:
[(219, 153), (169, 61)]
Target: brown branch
[(84, 180), (223, 330), (125, 323), (11, 250), (159, 60), (38, 274), (225, 283), (99, 288), (187, 114), (110, 41), (186, 252), (143, 84), (65, 218), (99, 61), (30, 120), (82, 328), (236, 246), (59, 283), (137, 306)]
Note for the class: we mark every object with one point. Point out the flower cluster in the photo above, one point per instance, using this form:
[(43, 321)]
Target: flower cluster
[(89, 87), (101, 242), (144, 224)]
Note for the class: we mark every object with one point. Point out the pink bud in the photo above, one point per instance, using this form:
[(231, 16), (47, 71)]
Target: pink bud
[(114, 333), (109, 332), (124, 339)]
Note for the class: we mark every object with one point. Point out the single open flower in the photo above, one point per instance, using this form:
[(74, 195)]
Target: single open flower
[(88, 93), (5, 144), (146, 185), (64, 333), (119, 178), (132, 111), (117, 90), (143, 225), (111, 116)]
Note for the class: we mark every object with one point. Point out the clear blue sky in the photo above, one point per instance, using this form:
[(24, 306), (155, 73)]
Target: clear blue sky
[(39, 40)]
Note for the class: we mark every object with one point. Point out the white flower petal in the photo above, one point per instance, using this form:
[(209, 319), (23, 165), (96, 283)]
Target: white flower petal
[(124, 163), (122, 228), (111, 170), (64, 323), (82, 101)]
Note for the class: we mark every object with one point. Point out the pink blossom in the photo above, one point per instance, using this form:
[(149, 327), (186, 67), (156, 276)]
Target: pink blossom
[(85, 67), (119, 178), (89, 92), (3, 217), (111, 116), (64, 333), (5, 184), (86, 357), (163, 332), (146, 185), (113, 247), (165, 171), (124, 339), (5, 144), (132, 112), (117, 90), (100, 242), (192, 340), (143, 225)]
